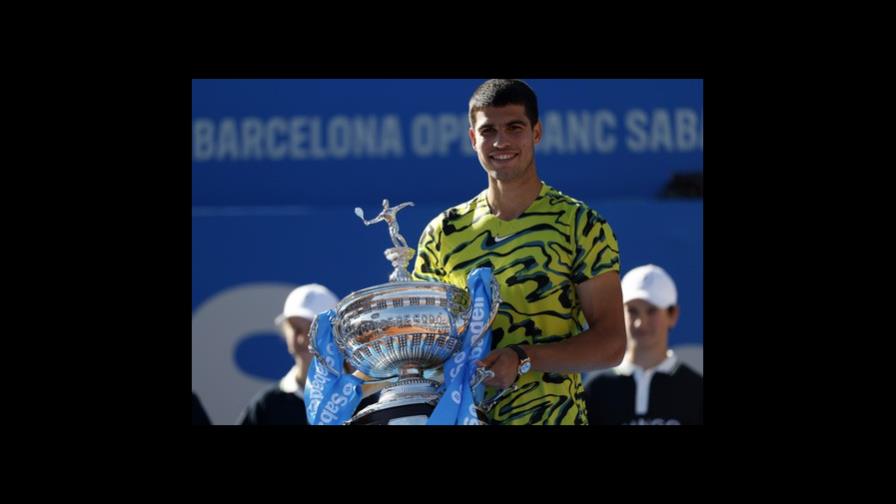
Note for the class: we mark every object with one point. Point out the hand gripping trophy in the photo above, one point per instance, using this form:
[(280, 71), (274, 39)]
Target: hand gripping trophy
[(393, 332)]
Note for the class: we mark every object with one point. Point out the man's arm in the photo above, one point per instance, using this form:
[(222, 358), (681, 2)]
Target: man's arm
[(601, 346)]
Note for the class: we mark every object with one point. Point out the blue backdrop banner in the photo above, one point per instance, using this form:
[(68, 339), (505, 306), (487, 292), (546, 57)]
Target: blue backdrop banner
[(287, 142)]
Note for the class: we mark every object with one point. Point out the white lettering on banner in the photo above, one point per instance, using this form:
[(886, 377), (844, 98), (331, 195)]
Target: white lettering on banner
[(472, 417), (391, 138), (296, 137), (227, 140), (635, 121), (455, 396), (476, 328), (203, 139), (434, 135), (251, 133), (301, 137), (579, 127), (423, 135), (336, 401), (459, 357), (604, 141), (315, 387), (660, 131), (340, 137), (582, 132), (317, 151), (318, 383), (477, 320), (685, 129), (276, 149), (364, 135)]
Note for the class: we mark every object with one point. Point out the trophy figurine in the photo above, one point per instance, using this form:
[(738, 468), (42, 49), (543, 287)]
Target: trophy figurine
[(401, 254), (396, 331)]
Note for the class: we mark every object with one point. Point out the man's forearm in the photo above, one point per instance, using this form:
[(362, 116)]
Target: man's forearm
[(588, 351)]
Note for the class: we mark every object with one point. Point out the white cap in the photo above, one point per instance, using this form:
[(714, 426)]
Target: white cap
[(306, 301), (650, 283)]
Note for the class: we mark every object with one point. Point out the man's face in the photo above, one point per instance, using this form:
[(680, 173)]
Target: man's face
[(505, 142), (648, 325), (295, 330)]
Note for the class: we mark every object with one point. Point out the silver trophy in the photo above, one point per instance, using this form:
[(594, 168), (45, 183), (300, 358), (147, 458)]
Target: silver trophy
[(397, 331)]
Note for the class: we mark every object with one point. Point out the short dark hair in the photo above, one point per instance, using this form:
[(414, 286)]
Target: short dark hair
[(501, 92)]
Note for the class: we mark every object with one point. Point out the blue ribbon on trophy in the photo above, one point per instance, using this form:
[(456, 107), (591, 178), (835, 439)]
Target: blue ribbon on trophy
[(457, 405), (331, 395)]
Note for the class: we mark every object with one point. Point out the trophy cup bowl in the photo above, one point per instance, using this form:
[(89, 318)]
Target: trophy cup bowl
[(401, 328)]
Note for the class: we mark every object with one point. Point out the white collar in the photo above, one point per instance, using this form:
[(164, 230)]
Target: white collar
[(289, 384), (628, 366)]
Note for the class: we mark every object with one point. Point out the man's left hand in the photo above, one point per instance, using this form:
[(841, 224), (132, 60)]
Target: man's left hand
[(504, 363)]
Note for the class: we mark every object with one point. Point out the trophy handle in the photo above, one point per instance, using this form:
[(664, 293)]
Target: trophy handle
[(481, 375), (312, 337), (486, 406)]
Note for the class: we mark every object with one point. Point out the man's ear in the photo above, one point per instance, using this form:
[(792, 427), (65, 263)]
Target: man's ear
[(673, 316), (536, 132), (472, 138)]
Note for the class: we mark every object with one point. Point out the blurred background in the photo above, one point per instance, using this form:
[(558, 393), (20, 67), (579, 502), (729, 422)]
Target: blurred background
[(278, 167)]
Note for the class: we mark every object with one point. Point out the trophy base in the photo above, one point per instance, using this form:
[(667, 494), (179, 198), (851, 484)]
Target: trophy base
[(408, 414), (409, 402)]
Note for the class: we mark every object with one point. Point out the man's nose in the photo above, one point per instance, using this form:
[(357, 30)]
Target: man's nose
[(500, 140)]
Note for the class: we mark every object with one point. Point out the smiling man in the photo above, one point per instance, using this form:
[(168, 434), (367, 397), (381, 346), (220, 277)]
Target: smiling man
[(556, 262)]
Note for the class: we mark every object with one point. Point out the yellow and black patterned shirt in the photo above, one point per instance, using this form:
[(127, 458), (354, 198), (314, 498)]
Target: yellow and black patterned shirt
[(537, 259)]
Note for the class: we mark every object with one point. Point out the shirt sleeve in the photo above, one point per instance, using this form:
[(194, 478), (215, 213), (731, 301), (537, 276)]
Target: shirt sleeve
[(597, 251), (428, 265)]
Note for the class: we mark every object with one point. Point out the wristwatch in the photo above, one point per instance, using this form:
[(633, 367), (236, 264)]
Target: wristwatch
[(525, 361)]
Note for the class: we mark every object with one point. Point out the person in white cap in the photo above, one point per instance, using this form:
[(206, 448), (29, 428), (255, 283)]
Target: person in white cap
[(284, 403), (651, 386)]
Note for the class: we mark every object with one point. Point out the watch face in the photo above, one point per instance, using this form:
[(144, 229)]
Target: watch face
[(525, 367)]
